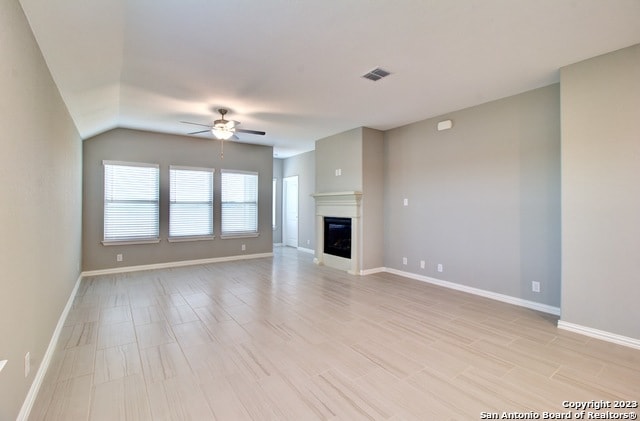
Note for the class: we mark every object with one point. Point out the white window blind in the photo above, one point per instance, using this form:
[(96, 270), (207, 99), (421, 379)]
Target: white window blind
[(239, 211), (190, 202), (131, 206)]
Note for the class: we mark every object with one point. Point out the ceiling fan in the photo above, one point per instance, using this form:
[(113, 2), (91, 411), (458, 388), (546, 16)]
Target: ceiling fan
[(223, 129)]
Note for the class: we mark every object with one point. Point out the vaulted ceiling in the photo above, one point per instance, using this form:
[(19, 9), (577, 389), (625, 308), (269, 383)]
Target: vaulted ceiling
[(293, 68)]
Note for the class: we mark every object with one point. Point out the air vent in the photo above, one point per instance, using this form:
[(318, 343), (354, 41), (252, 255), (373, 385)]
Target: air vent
[(376, 74)]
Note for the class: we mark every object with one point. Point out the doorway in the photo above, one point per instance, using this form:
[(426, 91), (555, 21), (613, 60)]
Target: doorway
[(290, 210)]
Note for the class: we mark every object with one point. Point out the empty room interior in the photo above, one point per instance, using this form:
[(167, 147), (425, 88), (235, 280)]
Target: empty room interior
[(299, 210)]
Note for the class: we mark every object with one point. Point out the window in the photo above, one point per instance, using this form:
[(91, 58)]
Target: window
[(190, 202), (273, 203), (239, 203), (131, 207)]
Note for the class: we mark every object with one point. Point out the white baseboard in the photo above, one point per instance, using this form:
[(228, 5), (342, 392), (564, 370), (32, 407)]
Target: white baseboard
[(306, 250), (365, 272), (600, 334), (27, 405), (181, 263), (481, 292), (278, 244)]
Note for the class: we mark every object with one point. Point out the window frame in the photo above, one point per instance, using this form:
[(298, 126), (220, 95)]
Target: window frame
[(274, 199), (182, 238), (151, 239)]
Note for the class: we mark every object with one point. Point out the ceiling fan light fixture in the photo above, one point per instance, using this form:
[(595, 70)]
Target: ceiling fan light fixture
[(222, 133)]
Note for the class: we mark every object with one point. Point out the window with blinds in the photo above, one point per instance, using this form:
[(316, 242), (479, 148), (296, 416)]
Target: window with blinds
[(190, 202), (131, 202), (239, 207)]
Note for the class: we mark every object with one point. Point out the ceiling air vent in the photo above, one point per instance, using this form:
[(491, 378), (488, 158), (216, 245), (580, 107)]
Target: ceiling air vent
[(376, 74)]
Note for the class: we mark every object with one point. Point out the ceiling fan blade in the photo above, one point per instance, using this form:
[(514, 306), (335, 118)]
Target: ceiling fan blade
[(197, 124), (201, 131), (250, 131)]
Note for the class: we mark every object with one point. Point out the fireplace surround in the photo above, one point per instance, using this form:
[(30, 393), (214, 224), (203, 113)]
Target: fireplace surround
[(341, 205)]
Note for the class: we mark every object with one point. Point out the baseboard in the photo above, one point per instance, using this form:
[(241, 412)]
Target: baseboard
[(366, 272), (481, 292), (27, 405), (600, 334), (306, 250), (278, 244), (180, 263)]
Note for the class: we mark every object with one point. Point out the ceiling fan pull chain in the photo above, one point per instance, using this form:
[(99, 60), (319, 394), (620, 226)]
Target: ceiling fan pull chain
[(221, 148)]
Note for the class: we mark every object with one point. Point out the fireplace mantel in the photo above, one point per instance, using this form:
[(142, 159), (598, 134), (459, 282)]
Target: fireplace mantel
[(344, 204)]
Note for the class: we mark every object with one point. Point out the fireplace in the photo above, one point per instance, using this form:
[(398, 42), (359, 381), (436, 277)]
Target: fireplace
[(339, 222), (337, 236)]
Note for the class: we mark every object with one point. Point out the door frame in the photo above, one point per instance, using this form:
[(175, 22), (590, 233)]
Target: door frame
[(285, 214)]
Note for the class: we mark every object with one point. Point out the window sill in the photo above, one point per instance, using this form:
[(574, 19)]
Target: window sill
[(185, 239), (129, 242), (240, 235)]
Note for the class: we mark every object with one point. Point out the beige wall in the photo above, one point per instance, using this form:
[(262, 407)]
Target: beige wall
[(165, 150), (601, 193), (40, 186), (484, 197)]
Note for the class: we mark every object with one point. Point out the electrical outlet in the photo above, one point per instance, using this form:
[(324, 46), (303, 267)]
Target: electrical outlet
[(405, 202), (422, 264), (535, 286), (119, 257), (308, 242), (440, 268), (404, 260), (244, 247), (27, 364)]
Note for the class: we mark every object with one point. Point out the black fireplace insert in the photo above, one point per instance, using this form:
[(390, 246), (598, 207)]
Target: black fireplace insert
[(337, 236)]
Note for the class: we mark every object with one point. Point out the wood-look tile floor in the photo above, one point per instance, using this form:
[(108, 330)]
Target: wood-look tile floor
[(283, 339)]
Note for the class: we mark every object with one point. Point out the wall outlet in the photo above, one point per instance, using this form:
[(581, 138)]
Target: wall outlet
[(244, 247), (535, 286), (422, 264), (119, 257), (338, 172), (405, 202), (27, 364), (404, 260), (308, 242), (440, 268)]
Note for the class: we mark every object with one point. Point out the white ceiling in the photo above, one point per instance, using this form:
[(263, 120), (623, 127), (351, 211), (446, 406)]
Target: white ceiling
[(293, 67)]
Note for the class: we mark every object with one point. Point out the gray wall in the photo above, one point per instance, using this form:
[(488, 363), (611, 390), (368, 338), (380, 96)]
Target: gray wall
[(165, 150), (341, 151), (372, 199), (601, 197), (358, 153), (277, 174), (40, 186), (304, 166), (484, 197)]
